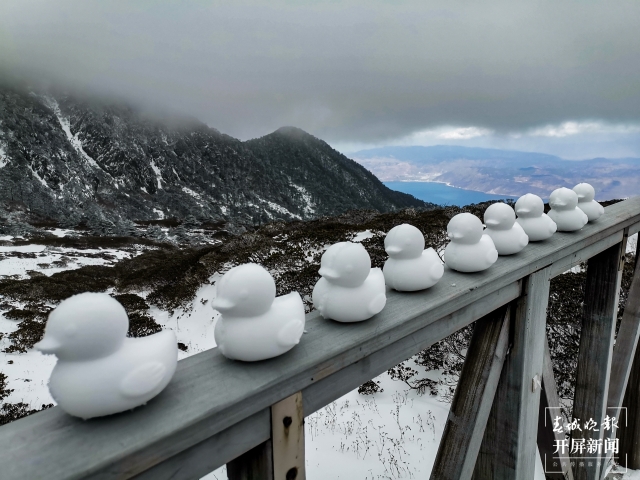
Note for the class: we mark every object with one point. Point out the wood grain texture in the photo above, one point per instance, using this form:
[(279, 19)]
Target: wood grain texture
[(509, 446), (594, 357), (624, 353), (287, 436), (256, 464), (629, 433), (204, 457), (210, 394), (548, 411), (473, 398)]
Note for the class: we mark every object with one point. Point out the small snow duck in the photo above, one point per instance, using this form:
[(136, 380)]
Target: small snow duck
[(507, 235), (586, 194), (531, 217), (469, 250), (410, 267), (99, 370), (349, 290), (565, 212), (255, 324)]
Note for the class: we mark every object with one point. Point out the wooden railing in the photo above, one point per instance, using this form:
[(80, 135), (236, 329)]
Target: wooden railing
[(250, 416)]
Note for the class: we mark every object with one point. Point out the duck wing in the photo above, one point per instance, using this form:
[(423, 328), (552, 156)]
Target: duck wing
[(143, 379), (290, 333)]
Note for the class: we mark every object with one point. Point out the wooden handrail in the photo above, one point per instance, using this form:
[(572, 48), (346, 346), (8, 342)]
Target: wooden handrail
[(215, 410)]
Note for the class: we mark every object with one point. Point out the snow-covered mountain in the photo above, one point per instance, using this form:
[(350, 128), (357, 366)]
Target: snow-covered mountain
[(73, 159)]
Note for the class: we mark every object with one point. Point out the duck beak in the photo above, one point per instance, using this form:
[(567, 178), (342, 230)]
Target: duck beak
[(222, 304), (492, 222), (580, 197), (48, 345), (455, 236), (329, 273), (391, 250), (523, 210)]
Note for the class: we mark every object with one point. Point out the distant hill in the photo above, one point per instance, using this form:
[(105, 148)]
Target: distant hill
[(77, 159), (506, 172)]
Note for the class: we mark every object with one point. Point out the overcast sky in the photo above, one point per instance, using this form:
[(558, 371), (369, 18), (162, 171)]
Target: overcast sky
[(555, 76)]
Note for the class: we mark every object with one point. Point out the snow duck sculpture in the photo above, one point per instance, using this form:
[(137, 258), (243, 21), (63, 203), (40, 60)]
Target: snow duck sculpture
[(531, 217), (254, 324), (507, 235), (99, 370), (469, 250), (565, 212), (349, 290), (586, 194), (410, 267)]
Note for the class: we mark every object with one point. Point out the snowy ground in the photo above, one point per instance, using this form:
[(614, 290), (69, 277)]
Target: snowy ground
[(388, 435)]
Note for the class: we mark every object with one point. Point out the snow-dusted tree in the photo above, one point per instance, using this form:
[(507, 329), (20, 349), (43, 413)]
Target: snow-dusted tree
[(154, 232)]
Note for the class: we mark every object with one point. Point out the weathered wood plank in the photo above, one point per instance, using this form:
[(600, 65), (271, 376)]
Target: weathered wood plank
[(548, 412), (210, 394), (223, 447), (594, 357), (629, 431), (624, 353), (256, 464), (287, 435), (473, 398), (508, 449), (561, 266), (333, 387)]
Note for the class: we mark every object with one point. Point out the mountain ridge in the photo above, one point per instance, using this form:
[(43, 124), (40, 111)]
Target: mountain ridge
[(76, 160)]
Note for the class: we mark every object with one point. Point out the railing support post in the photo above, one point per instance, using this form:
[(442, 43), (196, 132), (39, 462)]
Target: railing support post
[(629, 432), (474, 395), (556, 465), (508, 449), (604, 272), (282, 456)]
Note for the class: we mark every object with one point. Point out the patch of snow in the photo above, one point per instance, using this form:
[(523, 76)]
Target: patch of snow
[(360, 236), (223, 208), (40, 179), (195, 195), (43, 262), (159, 213), (632, 244), (144, 190), (159, 178), (52, 103), (23, 248), (309, 204), (194, 324), (4, 160), (279, 208), (61, 232), (192, 193)]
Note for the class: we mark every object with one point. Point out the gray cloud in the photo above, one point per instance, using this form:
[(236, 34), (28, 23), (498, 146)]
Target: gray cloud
[(345, 71)]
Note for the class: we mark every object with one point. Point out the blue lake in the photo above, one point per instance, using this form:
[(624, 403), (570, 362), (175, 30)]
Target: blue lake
[(443, 194)]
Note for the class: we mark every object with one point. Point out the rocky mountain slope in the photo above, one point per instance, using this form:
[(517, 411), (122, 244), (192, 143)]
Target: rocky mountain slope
[(506, 172), (80, 160)]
